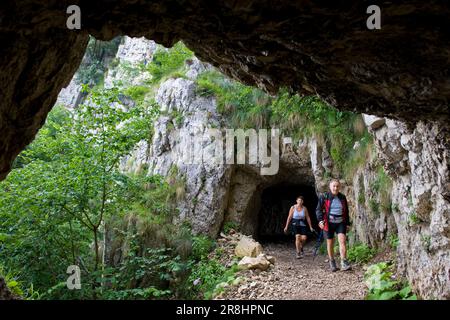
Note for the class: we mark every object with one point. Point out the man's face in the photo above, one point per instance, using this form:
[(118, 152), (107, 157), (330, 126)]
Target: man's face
[(334, 187)]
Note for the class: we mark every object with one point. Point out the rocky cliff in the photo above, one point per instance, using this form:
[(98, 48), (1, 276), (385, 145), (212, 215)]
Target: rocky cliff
[(417, 160)]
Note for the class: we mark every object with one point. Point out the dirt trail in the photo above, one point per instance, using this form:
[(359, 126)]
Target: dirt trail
[(298, 279)]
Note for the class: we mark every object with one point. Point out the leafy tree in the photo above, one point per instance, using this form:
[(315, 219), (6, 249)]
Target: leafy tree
[(65, 185)]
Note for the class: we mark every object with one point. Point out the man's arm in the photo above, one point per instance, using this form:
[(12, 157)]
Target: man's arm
[(319, 212), (347, 213)]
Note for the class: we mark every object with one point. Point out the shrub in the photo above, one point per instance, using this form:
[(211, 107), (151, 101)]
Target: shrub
[(137, 93), (382, 286), (393, 241), (208, 276), (361, 253), (374, 206), (229, 225), (167, 61), (201, 247), (413, 219)]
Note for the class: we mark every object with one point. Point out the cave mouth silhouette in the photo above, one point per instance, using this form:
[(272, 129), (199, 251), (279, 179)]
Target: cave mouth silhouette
[(275, 204)]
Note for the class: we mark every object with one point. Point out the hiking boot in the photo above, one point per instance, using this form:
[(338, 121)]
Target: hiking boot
[(333, 266), (345, 265), (298, 256)]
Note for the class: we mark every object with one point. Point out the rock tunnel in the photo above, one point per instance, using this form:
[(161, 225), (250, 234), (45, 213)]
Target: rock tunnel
[(260, 204), (310, 47), (275, 204)]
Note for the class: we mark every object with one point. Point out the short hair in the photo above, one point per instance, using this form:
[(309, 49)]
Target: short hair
[(300, 197), (334, 180)]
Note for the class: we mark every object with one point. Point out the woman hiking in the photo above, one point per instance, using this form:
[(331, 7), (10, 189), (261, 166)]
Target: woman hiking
[(332, 214), (299, 216)]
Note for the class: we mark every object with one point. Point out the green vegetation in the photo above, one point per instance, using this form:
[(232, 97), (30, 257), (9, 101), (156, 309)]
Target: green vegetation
[(169, 62), (382, 285), (374, 207), (393, 241), (246, 107), (210, 277), (93, 66), (230, 225), (177, 117), (359, 156), (395, 208), (66, 195), (16, 286), (361, 253), (137, 93), (383, 186), (413, 219), (361, 196), (65, 185)]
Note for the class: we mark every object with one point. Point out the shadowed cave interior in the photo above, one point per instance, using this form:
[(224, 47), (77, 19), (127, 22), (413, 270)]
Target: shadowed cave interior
[(275, 204)]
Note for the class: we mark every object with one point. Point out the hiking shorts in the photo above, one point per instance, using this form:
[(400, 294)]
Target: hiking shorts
[(302, 230), (335, 228)]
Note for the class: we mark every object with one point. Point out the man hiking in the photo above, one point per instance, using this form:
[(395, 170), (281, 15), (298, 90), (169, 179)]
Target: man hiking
[(333, 216)]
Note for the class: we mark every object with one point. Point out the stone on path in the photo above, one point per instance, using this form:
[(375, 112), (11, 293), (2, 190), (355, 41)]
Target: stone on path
[(247, 247)]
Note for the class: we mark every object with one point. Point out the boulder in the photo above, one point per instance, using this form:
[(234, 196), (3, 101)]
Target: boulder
[(373, 122), (248, 247), (259, 262)]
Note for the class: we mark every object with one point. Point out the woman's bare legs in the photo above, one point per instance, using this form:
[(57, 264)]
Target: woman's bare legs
[(298, 243)]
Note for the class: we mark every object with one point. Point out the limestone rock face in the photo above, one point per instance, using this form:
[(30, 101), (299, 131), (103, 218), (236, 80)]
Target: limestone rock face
[(372, 220), (182, 145), (373, 122), (248, 247), (131, 54), (70, 96), (417, 159), (136, 50)]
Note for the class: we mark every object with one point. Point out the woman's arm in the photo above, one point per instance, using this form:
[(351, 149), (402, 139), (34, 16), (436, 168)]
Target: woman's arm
[(308, 219), (289, 218)]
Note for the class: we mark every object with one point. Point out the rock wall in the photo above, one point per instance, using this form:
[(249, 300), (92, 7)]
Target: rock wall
[(131, 54), (372, 218), (417, 160)]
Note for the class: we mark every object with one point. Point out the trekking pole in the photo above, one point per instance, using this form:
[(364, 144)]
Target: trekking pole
[(318, 244)]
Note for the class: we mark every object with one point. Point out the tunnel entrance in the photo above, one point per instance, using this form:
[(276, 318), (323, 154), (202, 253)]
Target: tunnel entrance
[(275, 204)]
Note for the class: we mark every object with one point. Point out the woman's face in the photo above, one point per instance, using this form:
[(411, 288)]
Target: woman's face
[(334, 187), (299, 201)]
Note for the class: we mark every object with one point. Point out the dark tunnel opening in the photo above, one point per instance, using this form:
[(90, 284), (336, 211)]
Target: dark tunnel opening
[(275, 204)]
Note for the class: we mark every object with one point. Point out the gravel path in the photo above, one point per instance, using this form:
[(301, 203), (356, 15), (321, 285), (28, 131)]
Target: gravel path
[(298, 279)]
